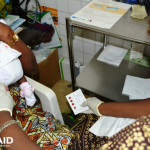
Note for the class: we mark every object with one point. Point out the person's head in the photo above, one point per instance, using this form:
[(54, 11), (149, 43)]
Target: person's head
[(148, 31), (44, 8)]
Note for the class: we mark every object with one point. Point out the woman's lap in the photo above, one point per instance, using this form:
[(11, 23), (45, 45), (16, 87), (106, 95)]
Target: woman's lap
[(40, 126), (82, 138)]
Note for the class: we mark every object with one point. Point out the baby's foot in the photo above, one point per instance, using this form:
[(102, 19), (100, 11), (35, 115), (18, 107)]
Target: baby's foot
[(27, 92)]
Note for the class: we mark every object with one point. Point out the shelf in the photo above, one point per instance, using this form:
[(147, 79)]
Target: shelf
[(107, 80)]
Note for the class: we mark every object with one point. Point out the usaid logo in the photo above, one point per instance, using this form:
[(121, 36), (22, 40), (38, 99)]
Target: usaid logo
[(6, 140)]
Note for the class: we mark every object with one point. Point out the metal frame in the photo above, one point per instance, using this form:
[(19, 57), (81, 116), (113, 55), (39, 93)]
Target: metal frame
[(70, 28)]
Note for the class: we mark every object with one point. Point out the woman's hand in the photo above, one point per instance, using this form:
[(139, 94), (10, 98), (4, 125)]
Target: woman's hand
[(6, 101)]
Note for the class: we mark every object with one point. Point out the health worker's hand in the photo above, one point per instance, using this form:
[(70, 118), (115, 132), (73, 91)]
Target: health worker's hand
[(6, 101), (93, 103)]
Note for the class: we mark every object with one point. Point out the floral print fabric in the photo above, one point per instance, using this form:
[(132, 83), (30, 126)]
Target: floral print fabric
[(40, 126)]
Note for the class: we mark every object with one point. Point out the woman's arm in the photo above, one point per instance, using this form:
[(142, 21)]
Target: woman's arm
[(133, 109), (20, 140), (27, 58)]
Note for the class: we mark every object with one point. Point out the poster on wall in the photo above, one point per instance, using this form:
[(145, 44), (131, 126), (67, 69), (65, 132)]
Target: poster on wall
[(54, 13)]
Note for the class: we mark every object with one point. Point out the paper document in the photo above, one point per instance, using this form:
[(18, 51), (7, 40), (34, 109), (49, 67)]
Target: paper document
[(136, 88), (19, 29), (11, 19), (100, 13), (112, 55), (75, 99), (109, 126), (55, 42), (17, 23)]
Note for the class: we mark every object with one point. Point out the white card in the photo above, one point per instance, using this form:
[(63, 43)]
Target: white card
[(75, 99), (112, 55)]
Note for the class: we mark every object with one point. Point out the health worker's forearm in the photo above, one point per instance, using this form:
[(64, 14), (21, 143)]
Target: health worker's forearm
[(133, 109)]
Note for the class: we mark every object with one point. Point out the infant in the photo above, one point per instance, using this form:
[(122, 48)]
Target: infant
[(11, 71)]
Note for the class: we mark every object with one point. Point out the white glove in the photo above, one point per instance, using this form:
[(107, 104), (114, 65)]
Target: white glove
[(93, 103), (6, 101), (138, 12)]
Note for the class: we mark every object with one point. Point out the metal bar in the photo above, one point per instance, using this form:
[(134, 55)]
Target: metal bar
[(105, 41), (71, 54), (111, 34)]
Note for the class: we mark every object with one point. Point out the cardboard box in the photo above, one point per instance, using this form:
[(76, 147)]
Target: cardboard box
[(49, 73)]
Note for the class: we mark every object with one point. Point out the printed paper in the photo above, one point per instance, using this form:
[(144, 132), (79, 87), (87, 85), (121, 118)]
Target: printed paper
[(101, 14)]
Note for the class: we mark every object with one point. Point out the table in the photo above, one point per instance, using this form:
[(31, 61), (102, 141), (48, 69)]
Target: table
[(104, 79)]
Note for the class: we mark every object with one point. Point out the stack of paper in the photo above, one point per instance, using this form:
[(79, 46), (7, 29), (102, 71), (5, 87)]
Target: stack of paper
[(17, 23), (112, 55), (11, 19), (19, 29), (136, 88)]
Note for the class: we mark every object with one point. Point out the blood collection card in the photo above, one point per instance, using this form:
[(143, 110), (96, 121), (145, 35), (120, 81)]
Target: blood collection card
[(75, 99)]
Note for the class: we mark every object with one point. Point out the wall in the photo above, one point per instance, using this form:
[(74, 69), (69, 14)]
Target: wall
[(85, 43)]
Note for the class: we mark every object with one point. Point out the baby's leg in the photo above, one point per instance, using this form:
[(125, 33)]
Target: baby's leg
[(27, 91), (23, 79)]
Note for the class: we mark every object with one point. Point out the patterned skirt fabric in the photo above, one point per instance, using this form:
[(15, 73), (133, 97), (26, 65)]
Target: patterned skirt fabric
[(40, 126), (82, 138)]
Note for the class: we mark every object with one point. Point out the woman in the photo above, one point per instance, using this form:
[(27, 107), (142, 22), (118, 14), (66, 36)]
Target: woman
[(41, 127)]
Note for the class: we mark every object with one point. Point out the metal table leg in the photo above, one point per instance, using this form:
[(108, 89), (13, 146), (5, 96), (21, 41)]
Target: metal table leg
[(105, 41), (71, 53)]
